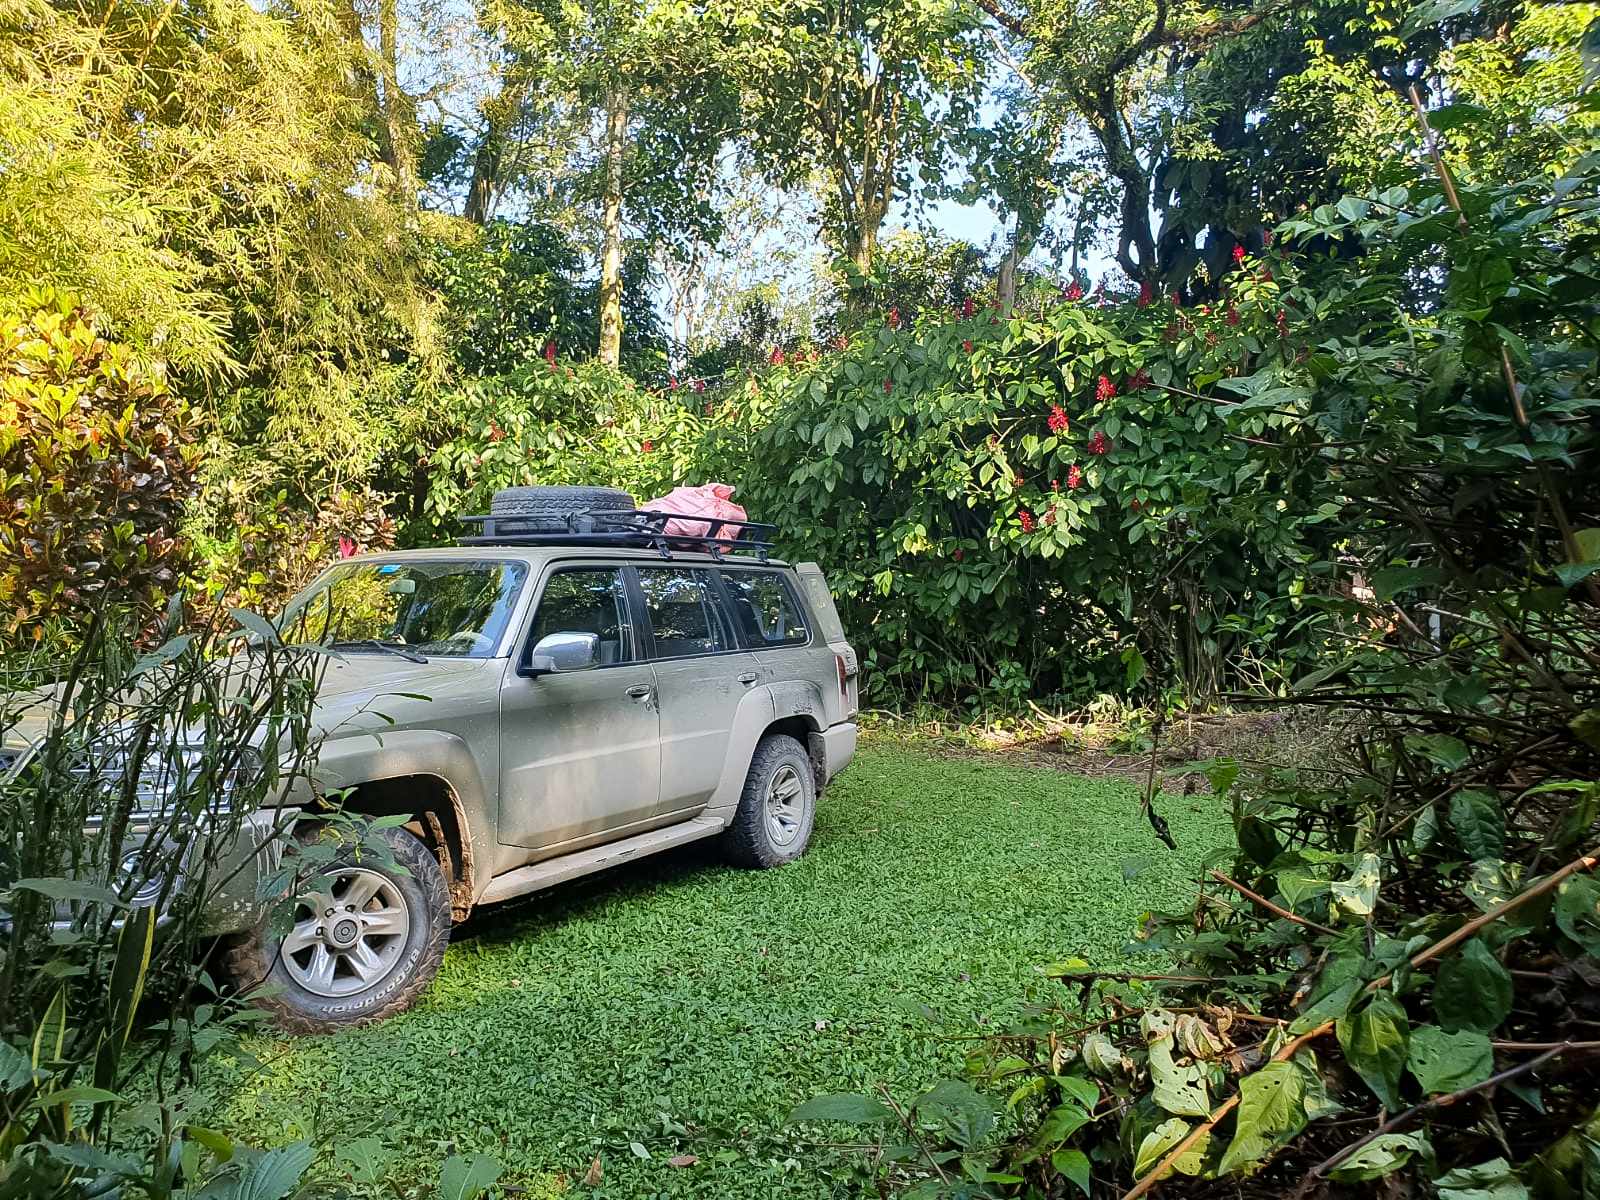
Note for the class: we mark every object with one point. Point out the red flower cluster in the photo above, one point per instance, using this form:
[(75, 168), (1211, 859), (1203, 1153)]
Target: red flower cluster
[(495, 432), (1135, 505), (1074, 477), (966, 307), (1238, 254), (966, 344), (672, 383), (959, 554), (1058, 419), (776, 358), (1098, 444), (1025, 519), (841, 342), (1233, 315), (647, 446), (1147, 294), (1104, 389), (888, 386), (893, 318), (699, 386), (1283, 323), (550, 352), (347, 548), (1016, 482), (1073, 292), (1141, 379)]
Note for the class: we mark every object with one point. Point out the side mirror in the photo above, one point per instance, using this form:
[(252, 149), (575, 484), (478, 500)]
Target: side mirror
[(560, 652)]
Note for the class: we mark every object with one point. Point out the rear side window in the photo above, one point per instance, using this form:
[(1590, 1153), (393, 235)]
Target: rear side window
[(765, 610), (684, 613)]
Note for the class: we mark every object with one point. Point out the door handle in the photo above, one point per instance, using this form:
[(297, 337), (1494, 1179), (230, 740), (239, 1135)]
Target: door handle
[(748, 678), (640, 690)]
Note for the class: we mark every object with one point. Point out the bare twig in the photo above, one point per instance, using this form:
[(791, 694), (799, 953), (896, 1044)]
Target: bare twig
[(1270, 906)]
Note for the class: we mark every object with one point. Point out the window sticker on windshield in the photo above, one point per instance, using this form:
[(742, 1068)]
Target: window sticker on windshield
[(388, 568)]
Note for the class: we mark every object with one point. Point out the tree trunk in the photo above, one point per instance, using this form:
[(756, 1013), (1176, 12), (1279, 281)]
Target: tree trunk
[(399, 117), (485, 175), (610, 351)]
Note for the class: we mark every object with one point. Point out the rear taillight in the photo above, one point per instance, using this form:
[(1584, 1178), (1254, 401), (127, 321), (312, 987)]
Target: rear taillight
[(840, 661)]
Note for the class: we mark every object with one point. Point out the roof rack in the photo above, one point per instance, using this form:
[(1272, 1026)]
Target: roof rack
[(629, 528)]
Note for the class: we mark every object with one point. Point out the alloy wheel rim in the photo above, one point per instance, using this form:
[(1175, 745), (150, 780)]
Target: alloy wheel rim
[(786, 799), (350, 937)]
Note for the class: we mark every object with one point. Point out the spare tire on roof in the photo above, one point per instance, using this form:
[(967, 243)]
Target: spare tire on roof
[(552, 509)]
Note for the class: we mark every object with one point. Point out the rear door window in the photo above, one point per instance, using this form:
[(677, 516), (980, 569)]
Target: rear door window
[(765, 609), (685, 612)]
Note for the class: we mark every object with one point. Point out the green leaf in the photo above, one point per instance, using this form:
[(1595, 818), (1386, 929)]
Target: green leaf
[(1578, 911), (1440, 748), (1179, 1090), (1447, 1062), (1391, 581), (255, 624), (1492, 1180), (69, 889), (467, 1176), (1472, 990), (1359, 894), (1479, 823), (1374, 1041), (275, 1174), (1157, 1143), (966, 1116), (15, 1070), (847, 1107), (1271, 1112), (1073, 1165), (1383, 1154)]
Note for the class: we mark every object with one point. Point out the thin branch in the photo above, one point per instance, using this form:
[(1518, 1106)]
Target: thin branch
[(1270, 906)]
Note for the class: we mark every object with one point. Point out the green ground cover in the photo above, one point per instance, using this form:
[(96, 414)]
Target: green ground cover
[(683, 1008)]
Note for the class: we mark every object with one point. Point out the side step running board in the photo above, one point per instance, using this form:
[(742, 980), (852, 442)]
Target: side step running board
[(541, 875)]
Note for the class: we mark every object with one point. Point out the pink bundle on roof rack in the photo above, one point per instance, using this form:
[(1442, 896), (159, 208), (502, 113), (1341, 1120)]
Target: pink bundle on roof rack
[(707, 500)]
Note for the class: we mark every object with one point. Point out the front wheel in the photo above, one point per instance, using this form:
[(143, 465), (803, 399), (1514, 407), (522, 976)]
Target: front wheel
[(773, 823), (363, 943)]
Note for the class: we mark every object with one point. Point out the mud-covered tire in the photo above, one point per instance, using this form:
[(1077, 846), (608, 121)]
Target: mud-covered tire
[(760, 835), (553, 509), (285, 984)]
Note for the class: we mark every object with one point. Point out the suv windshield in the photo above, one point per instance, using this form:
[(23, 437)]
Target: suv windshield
[(456, 609)]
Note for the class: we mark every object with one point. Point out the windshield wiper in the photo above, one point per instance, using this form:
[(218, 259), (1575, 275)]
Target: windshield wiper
[(375, 644)]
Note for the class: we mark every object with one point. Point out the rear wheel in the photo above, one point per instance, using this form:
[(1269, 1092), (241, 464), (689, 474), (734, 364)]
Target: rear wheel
[(364, 941), (777, 807)]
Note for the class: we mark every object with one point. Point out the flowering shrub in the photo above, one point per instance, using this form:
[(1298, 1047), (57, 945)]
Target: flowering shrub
[(1075, 459), (97, 458)]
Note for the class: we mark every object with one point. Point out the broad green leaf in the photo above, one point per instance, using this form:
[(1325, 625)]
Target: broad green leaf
[(275, 1174), (1359, 894), (847, 1107), (1578, 911), (1479, 823), (1159, 1141), (467, 1176), (1492, 1180), (967, 1116), (1472, 989), (1179, 1090), (1439, 748), (69, 889), (1373, 1038), (1101, 1056), (1447, 1062), (1383, 1154), (15, 1070), (1271, 1111), (1073, 1165)]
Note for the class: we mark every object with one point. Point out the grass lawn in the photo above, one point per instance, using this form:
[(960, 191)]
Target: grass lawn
[(683, 1007)]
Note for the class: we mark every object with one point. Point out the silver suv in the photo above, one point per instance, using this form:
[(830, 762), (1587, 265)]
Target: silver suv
[(543, 708)]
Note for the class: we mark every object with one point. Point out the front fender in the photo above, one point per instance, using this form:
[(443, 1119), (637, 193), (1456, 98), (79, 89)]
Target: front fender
[(372, 757)]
